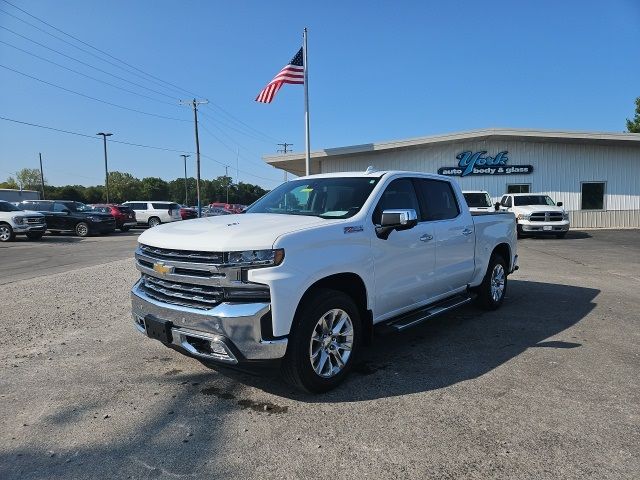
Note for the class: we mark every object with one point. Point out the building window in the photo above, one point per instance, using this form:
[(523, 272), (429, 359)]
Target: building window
[(519, 188), (592, 196)]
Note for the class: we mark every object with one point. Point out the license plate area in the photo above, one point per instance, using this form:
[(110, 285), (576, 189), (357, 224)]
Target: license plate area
[(547, 227), (158, 329)]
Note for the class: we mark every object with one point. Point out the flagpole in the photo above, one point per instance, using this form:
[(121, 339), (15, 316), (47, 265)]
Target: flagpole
[(306, 103)]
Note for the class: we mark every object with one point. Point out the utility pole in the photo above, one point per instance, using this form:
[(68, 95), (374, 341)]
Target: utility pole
[(194, 104), (284, 151), (226, 179), (186, 188), (41, 175), (106, 168)]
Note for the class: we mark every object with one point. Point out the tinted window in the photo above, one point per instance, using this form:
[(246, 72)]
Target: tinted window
[(592, 196), (161, 206), (123, 209), (438, 200), (532, 200), (477, 199), (60, 207), (7, 207), (400, 194), (38, 206), (506, 201), (138, 205)]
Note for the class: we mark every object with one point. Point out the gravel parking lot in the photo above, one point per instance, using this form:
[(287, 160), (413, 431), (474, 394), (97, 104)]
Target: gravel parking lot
[(546, 387)]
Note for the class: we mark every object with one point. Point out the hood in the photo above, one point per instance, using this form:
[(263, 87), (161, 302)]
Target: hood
[(224, 233), (538, 208)]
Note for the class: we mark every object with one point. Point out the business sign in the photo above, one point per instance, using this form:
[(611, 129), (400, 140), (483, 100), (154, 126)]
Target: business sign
[(479, 163)]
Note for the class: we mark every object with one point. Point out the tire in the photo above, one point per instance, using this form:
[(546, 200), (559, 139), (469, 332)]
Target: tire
[(124, 229), (6, 233), (34, 235), (154, 221), (82, 229), (561, 235), (323, 373), (493, 288), (519, 231)]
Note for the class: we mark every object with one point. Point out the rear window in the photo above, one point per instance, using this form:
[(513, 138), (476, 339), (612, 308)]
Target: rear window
[(124, 209), (477, 199)]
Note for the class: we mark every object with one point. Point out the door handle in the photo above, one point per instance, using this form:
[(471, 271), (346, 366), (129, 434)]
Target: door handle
[(426, 238), (467, 231)]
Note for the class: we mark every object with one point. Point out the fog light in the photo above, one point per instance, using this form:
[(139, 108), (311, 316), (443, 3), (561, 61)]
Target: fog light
[(218, 348)]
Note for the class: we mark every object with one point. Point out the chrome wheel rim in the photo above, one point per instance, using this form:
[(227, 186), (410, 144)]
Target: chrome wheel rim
[(5, 233), (154, 222), (497, 282), (331, 343), (82, 230)]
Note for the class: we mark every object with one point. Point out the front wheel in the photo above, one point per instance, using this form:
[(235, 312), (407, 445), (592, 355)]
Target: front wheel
[(6, 233), (82, 229), (325, 339), (493, 288), (154, 221), (34, 235)]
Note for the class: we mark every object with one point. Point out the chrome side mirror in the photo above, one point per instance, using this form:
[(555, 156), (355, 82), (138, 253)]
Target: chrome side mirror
[(399, 219)]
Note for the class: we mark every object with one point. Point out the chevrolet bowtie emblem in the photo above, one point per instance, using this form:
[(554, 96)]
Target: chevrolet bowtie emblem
[(162, 269)]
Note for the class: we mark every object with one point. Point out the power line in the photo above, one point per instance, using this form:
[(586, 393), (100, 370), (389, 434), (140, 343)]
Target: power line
[(92, 137), (86, 64), (174, 87), (88, 76), (84, 43), (94, 98)]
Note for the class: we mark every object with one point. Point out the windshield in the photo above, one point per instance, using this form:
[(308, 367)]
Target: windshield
[(532, 200), (318, 197), (7, 207), (477, 199)]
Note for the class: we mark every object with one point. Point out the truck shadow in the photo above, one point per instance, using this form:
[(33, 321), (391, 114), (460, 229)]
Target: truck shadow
[(458, 346)]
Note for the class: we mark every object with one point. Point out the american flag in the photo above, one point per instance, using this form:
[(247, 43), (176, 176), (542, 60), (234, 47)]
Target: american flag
[(293, 72)]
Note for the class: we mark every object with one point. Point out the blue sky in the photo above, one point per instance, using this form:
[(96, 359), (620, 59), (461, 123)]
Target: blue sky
[(378, 71)]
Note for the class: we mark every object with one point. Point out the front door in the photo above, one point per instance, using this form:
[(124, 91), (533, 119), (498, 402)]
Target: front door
[(60, 217), (404, 263)]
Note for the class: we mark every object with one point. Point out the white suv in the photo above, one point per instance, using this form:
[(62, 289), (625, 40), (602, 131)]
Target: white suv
[(536, 214), (155, 212), (15, 221)]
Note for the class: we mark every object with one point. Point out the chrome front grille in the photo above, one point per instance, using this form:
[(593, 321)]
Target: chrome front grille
[(546, 217), (184, 294), (215, 258), (35, 220)]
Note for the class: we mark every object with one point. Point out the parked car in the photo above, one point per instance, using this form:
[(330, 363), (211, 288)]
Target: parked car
[(124, 216), (537, 214), (478, 201), (231, 207), (155, 212), (71, 216), (307, 271), (14, 221), (215, 211), (187, 213)]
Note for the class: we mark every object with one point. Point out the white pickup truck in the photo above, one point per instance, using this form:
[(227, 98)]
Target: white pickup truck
[(479, 201), (304, 275), (536, 214)]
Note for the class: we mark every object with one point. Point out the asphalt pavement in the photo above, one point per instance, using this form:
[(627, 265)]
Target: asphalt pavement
[(546, 387)]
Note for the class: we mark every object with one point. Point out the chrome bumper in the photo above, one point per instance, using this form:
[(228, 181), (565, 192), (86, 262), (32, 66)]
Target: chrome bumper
[(228, 333)]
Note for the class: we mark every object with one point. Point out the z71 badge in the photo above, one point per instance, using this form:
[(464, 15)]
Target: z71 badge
[(358, 228)]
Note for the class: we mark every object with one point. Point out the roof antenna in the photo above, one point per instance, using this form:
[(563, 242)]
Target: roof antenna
[(370, 169)]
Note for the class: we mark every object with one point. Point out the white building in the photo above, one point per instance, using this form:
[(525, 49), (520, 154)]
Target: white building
[(595, 175)]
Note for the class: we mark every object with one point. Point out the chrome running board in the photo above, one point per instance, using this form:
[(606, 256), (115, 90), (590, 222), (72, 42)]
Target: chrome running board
[(422, 314)]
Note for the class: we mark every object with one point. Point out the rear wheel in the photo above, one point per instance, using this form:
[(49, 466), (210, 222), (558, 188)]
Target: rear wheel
[(34, 235), (6, 233), (154, 221), (493, 288), (82, 229), (326, 337)]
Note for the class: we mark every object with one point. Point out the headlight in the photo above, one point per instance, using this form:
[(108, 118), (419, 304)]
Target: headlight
[(262, 258), (18, 220), (522, 216), (565, 215)]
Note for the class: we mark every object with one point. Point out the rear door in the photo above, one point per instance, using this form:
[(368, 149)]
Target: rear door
[(62, 217), (454, 234)]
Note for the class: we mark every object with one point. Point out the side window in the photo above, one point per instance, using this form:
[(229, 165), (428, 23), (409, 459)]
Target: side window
[(506, 201), (59, 207), (399, 194), (438, 200), (592, 197), (161, 206)]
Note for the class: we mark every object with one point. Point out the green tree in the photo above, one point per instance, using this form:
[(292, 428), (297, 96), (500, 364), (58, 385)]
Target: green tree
[(154, 188), (123, 187), (29, 178), (95, 194), (633, 126), (9, 183)]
